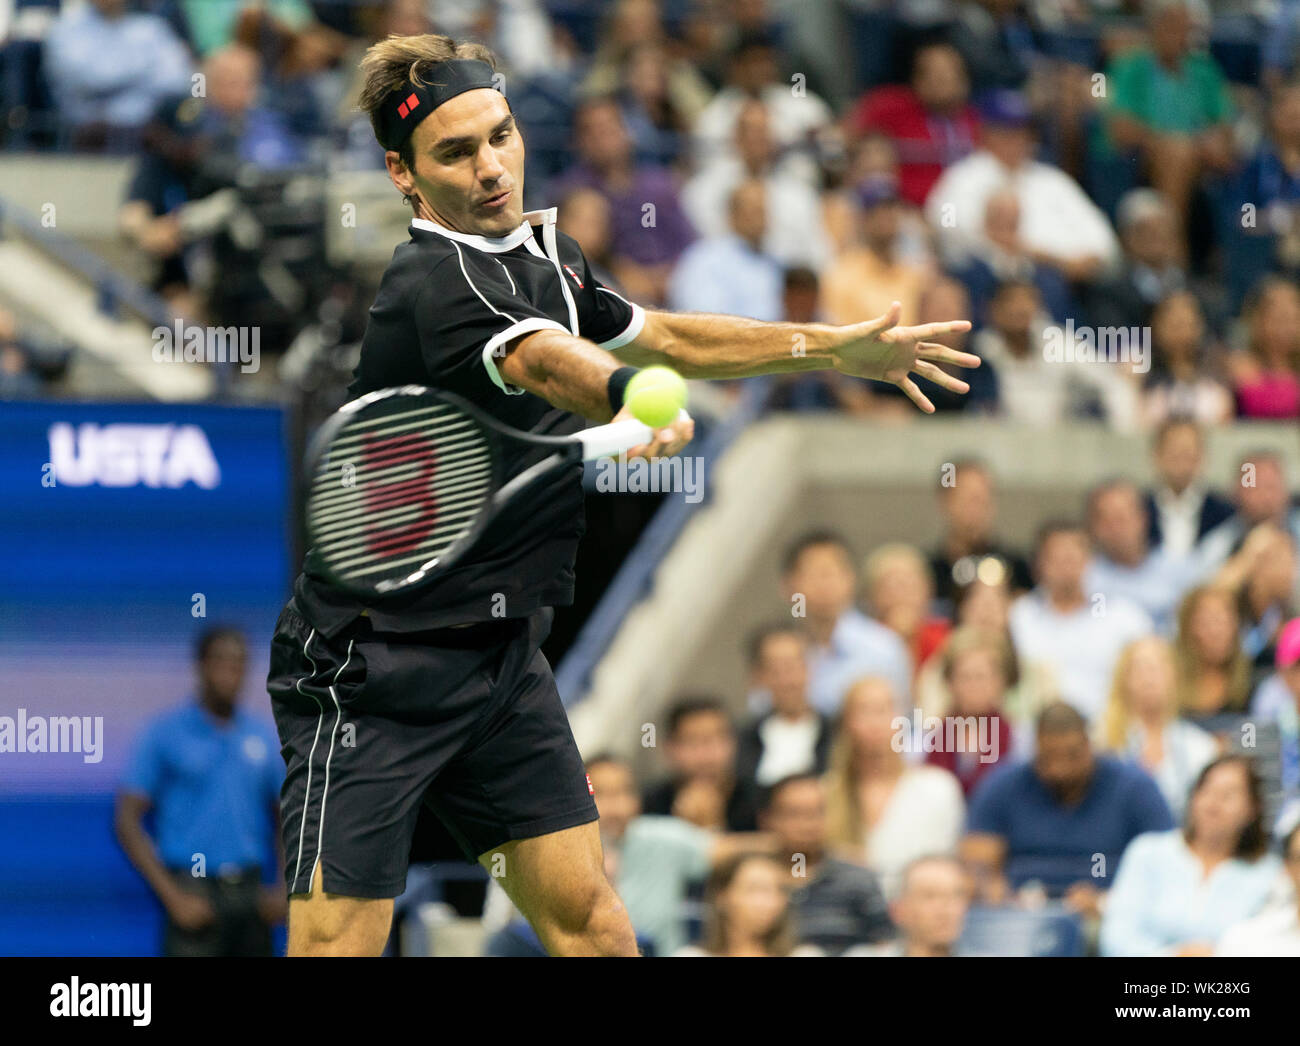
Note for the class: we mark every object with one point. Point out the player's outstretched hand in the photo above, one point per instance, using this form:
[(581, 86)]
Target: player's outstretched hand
[(668, 440), (882, 350)]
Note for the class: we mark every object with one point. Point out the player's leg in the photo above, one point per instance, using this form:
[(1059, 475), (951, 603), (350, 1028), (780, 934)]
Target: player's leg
[(322, 923), (558, 882)]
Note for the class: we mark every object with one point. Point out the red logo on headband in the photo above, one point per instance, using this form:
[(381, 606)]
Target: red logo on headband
[(409, 106)]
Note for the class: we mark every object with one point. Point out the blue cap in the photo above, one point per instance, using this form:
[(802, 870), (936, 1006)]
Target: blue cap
[(1004, 108), (878, 189)]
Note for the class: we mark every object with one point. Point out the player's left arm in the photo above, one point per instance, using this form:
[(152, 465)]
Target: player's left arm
[(699, 345)]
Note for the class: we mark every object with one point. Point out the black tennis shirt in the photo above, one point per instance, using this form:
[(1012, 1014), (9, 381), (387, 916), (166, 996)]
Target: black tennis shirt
[(446, 303)]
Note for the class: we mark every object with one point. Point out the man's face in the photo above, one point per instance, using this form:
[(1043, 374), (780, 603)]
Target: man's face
[(1152, 239), (1178, 458), (968, 505), (940, 79), (824, 576), (754, 136), (600, 136), (931, 910), (232, 80), (1063, 763), (1062, 560), (221, 672), (1119, 524), (782, 670), (703, 747), (1266, 498), (617, 800), (797, 818), (749, 212), (469, 165), (1171, 32), (1012, 145)]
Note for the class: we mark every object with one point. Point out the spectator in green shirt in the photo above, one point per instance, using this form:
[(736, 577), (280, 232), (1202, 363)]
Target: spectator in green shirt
[(1170, 103)]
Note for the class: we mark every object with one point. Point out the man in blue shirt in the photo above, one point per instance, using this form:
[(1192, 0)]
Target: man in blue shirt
[(1061, 821), (210, 774)]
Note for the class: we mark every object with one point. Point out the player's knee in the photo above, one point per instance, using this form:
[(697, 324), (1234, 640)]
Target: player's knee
[(594, 915), (321, 925)]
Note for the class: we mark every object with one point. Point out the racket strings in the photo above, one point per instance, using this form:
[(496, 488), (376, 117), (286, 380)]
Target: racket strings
[(399, 489)]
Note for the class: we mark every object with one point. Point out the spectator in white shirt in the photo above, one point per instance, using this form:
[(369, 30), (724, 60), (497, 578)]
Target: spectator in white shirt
[(753, 72), (1274, 932), (1141, 721), (1176, 892), (930, 911), (1125, 565), (1078, 634), (1182, 510), (845, 644), (1035, 390), (792, 737), (796, 233), (1059, 225), (878, 805)]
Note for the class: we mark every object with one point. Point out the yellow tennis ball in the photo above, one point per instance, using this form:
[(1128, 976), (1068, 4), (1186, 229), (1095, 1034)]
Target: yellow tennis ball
[(655, 395)]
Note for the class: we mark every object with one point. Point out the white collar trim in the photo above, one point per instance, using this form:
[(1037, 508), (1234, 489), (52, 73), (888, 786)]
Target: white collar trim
[(492, 244)]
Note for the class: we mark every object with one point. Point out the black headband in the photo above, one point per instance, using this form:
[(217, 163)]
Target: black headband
[(411, 103)]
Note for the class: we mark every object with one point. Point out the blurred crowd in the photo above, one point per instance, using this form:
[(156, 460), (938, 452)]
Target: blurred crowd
[(1099, 740), (1087, 179)]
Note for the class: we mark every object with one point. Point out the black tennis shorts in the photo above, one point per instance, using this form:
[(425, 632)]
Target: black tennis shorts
[(466, 721)]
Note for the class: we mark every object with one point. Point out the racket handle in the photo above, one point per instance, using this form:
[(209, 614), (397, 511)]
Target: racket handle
[(614, 438)]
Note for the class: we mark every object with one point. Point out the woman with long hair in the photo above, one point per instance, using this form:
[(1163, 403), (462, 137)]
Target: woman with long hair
[(1267, 374), (747, 911), (1176, 892), (1141, 720), (1213, 670), (883, 810)]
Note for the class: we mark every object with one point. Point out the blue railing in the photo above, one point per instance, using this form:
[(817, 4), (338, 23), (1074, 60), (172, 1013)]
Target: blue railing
[(634, 577)]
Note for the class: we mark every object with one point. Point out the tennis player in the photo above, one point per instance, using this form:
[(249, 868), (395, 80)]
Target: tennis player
[(443, 698)]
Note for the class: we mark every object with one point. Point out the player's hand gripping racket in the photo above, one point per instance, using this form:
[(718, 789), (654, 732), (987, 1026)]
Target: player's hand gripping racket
[(403, 480)]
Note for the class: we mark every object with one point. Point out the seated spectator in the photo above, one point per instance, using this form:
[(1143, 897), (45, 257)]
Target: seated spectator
[(882, 808), (792, 737), (1262, 492), (1261, 222), (1182, 382), (109, 68), (795, 232), (997, 41), (1170, 103), (1276, 930), (208, 774), (1266, 375), (754, 72), (1262, 577), (1002, 255), (650, 228), (1213, 671), (872, 159), (984, 607), (820, 583), (1058, 624), (731, 274), (1061, 821), (1177, 891), (863, 280), (1124, 564), (702, 786), (929, 120), (1181, 510), (1151, 268), (585, 215), (748, 912), (969, 548), (1141, 721), (1035, 390), (837, 904), (1277, 700), (929, 911), (1059, 226), (978, 669), (900, 595), (654, 861)]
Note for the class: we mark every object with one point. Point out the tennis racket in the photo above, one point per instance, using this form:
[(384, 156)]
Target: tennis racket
[(403, 480)]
